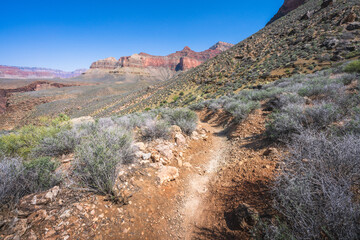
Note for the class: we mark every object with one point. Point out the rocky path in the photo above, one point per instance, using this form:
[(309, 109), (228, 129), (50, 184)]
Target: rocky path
[(198, 184), (239, 191), (218, 171)]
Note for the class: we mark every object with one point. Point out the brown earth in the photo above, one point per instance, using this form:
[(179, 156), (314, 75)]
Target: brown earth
[(13, 111), (218, 172)]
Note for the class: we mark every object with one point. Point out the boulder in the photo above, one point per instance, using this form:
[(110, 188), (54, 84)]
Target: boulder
[(155, 156), (307, 15), (195, 135), (146, 156), (180, 139), (165, 150), (140, 145), (167, 174), (270, 152), (327, 3), (353, 26), (52, 193), (139, 154), (351, 17), (330, 43)]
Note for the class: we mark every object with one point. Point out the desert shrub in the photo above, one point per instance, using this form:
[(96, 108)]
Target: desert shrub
[(290, 98), (41, 173), (274, 230), (19, 178), (314, 190), (260, 95), (64, 142), (348, 78), (215, 106), (11, 188), (321, 115), (197, 106), (321, 87), (182, 117), (132, 121), (353, 67), (154, 129), (240, 110), (353, 125), (287, 121), (100, 155), (24, 141)]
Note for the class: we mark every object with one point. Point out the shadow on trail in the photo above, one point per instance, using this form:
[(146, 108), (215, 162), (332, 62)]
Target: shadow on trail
[(214, 233)]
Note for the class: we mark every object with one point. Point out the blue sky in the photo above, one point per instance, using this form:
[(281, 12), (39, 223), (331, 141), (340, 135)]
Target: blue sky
[(69, 35)]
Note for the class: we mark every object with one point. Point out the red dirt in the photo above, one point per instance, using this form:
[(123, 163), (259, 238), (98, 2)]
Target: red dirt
[(224, 172)]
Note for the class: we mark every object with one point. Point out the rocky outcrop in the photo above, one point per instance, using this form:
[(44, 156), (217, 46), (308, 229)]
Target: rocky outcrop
[(178, 61), (32, 72), (107, 63), (288, 6)]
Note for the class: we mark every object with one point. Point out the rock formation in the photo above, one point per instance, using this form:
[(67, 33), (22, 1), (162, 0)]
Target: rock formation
[(33, 72), (287, 7), (178, 61)]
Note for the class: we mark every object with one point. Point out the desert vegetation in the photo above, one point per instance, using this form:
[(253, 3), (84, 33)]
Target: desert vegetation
[(316, 192), (316, 117), (29, 156)]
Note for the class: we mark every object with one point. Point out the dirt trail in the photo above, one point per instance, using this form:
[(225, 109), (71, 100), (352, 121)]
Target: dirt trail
[(198, 185), (216, 173), (245, 178)]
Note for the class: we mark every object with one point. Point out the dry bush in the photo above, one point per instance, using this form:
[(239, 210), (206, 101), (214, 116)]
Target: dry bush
[(315, 189), (99, 155)]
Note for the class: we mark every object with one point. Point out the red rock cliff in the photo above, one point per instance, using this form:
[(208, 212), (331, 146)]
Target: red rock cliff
[(178, 61)]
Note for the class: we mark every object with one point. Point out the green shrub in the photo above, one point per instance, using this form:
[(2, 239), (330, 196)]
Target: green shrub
[(99, 156), (41, 173), (24, 141), (353, 67)]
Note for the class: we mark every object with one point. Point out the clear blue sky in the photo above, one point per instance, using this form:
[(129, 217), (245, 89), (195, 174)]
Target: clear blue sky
[(72, 34)]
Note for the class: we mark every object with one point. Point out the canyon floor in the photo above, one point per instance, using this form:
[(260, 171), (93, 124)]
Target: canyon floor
[(231, 166)]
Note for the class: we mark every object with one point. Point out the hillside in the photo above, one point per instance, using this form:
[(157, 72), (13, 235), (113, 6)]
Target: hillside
[(258, 164), (312, 37)]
